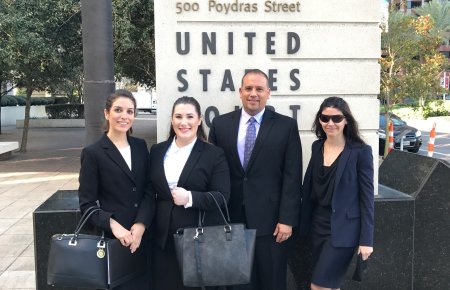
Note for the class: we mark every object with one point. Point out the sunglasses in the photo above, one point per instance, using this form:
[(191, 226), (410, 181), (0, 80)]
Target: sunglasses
[(334, 118)]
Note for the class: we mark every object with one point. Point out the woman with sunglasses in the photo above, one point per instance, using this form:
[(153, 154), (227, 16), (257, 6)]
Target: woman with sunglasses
[(338, 195)]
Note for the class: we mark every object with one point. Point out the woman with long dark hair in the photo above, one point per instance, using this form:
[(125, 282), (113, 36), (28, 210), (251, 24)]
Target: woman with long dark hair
[(183, 170), (338, 195), (114, 175)]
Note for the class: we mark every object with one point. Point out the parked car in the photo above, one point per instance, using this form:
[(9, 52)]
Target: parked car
[(412, 139)]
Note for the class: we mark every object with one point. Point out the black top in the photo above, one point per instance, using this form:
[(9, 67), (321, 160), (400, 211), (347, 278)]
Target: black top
[(323, 181)]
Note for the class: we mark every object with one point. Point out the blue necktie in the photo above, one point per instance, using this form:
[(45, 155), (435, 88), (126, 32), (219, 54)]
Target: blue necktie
[(250, 138)]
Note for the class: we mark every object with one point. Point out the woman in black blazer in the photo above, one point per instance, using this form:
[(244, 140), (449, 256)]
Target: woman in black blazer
[(114, 174), (183, 170), (338, 195)]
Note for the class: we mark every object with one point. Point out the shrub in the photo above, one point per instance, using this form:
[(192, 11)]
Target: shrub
[(65, 111), (8, 101), (40, 101), (21, 100), (435, 109), (61, 100)]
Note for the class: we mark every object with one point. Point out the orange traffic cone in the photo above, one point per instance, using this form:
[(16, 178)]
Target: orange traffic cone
[(391, 136), (431, 141)]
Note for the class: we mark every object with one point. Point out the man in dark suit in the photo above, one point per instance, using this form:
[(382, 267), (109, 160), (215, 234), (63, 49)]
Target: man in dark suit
[(264, 155)]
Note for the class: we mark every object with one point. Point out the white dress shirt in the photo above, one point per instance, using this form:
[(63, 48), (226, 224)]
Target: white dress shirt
[(126, 154), (174, 162), (243, 124)]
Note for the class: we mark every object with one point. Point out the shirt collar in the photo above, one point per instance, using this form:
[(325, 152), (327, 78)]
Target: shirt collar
[(258, 117), (175, 149)]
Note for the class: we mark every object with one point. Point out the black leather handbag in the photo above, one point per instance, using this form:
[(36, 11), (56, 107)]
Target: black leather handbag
[(89, 261), (360, 269), (215, 255)]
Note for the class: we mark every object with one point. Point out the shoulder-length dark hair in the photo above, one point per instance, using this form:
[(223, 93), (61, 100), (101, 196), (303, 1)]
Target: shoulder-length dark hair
[(191, 101), (112, 98), (351, 131)]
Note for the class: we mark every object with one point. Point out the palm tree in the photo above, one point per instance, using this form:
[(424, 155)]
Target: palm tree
[(440, 14)]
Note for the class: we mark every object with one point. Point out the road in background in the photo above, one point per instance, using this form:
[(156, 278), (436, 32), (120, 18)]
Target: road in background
[(442, 140)]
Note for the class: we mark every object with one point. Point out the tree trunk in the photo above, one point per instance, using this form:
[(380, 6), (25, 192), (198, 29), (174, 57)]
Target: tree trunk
[(1, 96), (26, 121), (98, 60)]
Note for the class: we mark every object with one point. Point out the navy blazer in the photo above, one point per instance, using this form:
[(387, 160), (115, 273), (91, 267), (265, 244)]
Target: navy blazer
[(269, 188), (206, 170), (123, 194), (352, 218)]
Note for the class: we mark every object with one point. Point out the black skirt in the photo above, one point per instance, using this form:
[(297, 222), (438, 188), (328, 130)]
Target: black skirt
[(330, 263)]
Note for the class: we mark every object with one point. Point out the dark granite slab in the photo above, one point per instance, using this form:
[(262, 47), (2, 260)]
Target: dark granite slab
[(432, 231), (405, 172), (59, 214)]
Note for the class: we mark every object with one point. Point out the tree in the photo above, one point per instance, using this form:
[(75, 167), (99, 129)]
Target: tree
[(134, 45), (440, 15), (37, 48), (5, 64), (411, 64)]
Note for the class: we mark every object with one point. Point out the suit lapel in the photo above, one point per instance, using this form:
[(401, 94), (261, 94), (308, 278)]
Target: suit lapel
[(190, 163), (160, 171), (113, 153), (264, 129), (135, 159), (342, 163)]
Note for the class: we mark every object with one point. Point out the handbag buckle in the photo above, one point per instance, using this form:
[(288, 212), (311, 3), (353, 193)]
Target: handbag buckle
[(198, 234), (101, 244), (227, 230), (73, 241)]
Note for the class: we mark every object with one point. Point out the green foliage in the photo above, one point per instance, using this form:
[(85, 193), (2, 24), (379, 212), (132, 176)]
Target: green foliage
[(61, 100), (414, 111), (65, 111), (440, 14), (8, 101), (21, 100), (134, 44), (436, 109)]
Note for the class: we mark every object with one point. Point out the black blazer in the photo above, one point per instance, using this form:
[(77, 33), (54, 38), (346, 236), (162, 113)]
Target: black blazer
[(270, 187), (124, 195), (206, 170), (352, 217)]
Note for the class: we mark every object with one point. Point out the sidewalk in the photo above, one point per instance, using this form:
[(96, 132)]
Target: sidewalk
[(27, 180)]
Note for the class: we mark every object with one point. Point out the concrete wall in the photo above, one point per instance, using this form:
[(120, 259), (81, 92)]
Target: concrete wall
[(338, 55), (11, 114)]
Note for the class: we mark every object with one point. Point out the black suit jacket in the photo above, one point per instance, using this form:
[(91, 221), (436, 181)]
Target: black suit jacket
[(270, 187), (123, 194), (206, 170), (352, 218)]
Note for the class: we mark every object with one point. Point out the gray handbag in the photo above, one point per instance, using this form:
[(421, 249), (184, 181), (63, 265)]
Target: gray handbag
[(215, 255)]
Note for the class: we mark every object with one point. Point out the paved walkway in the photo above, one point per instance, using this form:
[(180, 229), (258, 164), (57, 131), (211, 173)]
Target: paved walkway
[(27, 180)]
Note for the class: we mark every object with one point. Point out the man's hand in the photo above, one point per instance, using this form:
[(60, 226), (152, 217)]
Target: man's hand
[(282, 232)]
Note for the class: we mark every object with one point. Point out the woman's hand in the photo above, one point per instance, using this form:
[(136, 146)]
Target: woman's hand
[(180, 196), (121, 233), (365, 252), (137, 231)]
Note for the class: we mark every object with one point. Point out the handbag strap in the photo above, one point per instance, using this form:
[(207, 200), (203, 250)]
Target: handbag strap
[(199, 231), (85, 217), (226, 219)]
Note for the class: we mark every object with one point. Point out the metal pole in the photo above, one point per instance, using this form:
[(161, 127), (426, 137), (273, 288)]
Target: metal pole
[(98, 60)]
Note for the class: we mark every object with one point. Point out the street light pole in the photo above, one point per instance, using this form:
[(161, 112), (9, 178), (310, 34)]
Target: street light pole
[(98, 61)]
